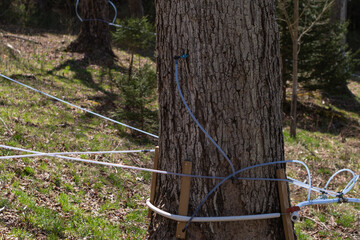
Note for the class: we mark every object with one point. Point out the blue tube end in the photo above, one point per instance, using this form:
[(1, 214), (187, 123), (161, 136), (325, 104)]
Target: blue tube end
[(182, 56)]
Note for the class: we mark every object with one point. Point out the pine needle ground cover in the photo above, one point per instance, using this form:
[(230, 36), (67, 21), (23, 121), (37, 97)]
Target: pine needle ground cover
[(47, 198)]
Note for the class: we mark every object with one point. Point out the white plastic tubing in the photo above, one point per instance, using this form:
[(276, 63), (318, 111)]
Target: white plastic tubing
[(98, 162), (73, 153), (350, 184), (181, 218), (289, 180), (75, 106), (294, 216), (327, 201), (61, 155)]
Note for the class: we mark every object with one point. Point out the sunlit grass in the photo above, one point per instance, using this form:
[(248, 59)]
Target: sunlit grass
[(54, 197), (63, 199)]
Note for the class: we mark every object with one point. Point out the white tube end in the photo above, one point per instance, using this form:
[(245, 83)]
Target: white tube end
[(295, 216)]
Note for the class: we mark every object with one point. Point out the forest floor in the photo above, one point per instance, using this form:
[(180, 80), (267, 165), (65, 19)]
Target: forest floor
[(44, 198)]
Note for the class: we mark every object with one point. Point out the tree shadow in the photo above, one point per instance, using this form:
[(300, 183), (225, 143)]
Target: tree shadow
[(149, 52), (343, 99), (356, 77), (34, 31), (146, 53), (315, 118), (107, 101), (105, 107), (79, 67)]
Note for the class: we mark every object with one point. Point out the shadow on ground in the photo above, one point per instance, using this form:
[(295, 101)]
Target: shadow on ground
[(327, 119), (343, 99), (108, 99)]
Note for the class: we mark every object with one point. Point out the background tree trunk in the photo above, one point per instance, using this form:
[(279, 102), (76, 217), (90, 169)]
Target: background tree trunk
[(295, 44), (339, 14), (283, 80), (94, 38), (231, 81), (136, 8), (339, 11)]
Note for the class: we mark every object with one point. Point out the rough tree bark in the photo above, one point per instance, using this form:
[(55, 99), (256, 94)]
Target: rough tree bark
[(94, 38), (231, 81)]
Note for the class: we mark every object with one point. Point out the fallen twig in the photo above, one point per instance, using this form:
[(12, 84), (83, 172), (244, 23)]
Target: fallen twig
[(25, 39), (12, 48), (6, 126), (318, 223)]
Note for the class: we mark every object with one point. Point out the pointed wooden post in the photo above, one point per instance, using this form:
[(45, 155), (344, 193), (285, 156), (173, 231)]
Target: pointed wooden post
[(284, 204), (184, 198), (153, 179)]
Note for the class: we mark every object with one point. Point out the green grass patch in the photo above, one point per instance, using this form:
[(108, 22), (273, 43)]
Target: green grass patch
[(300, 235), (21, 234), (346, 220), (65, 200)]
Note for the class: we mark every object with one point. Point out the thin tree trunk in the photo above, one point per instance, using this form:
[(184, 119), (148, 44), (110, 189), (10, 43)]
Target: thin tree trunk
[(27, 4), (131, 66), (231, 81), (339, 14), (283, 79), (339, 11), (295, 43), (94, 38)]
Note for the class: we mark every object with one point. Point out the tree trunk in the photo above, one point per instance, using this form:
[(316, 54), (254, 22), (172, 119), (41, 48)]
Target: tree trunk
[(283, 79), (339, 11), (295, 43), (130, 66), (231, 81), (94, 38), (136, 8), (339, 14)]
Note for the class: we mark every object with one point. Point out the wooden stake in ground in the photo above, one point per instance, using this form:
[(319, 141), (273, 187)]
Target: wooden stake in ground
[(284, 203), (184, 198)]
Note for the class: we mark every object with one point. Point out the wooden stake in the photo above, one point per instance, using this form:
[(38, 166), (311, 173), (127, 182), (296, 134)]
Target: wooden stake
[(184, 198), (153, 179), (284, 203)]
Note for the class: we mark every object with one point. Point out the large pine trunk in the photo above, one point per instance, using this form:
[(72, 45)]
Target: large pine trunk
[(94, 38), (231, 81)]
